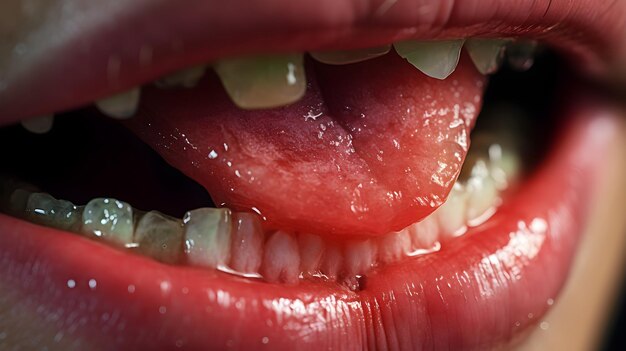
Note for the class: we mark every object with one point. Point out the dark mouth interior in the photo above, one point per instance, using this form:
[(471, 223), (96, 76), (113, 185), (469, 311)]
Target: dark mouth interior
[(86, 155)]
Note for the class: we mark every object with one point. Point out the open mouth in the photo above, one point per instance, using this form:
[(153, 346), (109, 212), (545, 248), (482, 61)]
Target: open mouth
[(299, 175)]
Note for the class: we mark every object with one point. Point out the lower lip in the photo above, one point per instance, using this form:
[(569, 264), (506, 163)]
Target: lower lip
[(480, 290)]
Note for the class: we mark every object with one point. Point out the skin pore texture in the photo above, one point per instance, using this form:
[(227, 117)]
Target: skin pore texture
[(46, 300)]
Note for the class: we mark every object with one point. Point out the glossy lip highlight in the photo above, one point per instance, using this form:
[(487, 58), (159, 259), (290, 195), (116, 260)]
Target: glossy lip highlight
[(490, 279), (120, 48)]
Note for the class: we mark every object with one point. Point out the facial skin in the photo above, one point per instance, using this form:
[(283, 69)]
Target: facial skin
[(578, 319)]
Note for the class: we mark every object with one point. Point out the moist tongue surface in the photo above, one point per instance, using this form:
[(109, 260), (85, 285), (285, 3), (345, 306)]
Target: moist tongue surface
[(371, 148)]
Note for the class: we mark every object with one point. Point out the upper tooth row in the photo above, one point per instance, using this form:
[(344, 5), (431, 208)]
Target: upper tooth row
[(278, 80)]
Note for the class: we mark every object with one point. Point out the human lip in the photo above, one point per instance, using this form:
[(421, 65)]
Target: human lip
[(452, 299), (542, 245), (95, 43)]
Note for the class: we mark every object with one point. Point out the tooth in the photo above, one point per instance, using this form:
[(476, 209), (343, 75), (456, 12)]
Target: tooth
[(39, 125), (281, 259), (263, 82), (187, 78), (331, 262), (394, 246), (108, 219), (487, 54), (359, 257), (46, 210), (311, 251), (425, 234), (436, 59), (122, 105), (207, 236), (521, 54), (349, 56), (504, 166), (247, 243), (160, 237), (18, 201), (481, 191), (451, 215), (14, 195)]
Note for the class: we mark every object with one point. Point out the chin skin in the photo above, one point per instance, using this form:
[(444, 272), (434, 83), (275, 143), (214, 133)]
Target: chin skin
[(580, 315)]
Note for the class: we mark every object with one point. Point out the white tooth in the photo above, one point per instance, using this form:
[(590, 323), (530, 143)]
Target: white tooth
[(425, 234), (187, 78), (281, 259), (436, 59), (394, 246), (521, 54), (122, 105), (39, 125), (207, 237), (263, 82), (311, 252), (247, 243), (359, 257), (331, 262), (504, 166), (451, 215), (160, 237), (349, 56), (110, 220), (46, 210), (481, 191), (487, 54)]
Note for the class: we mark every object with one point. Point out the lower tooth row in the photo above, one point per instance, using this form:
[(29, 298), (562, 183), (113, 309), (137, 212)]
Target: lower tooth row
[(109, 219), (207, 237), (217, 238), (44, 209), (159, 236)]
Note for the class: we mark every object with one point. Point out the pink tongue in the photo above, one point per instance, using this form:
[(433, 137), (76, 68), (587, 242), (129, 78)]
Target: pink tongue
[(371, 148)]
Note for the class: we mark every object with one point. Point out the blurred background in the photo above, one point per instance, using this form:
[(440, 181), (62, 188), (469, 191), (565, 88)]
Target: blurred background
[(616, 335)]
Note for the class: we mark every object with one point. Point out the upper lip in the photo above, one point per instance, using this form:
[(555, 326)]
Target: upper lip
[(409, 307), (98, 50)]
